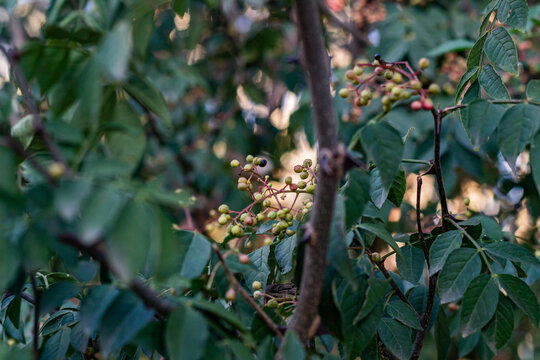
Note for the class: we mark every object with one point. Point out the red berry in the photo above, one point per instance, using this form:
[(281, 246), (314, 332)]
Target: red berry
[(243, 258), (416, 105), (427, 104)]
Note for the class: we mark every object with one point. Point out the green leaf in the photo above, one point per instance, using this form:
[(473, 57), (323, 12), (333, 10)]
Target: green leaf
[(379, 230), (512, 252), (411, 267), (284, 254), (376, 290), (385, 147), (467, 344), (356, 195), (501, 50), (130, 240), (55, 295), (94, 306), (57, 345), (115, 51), (186, 334), (396, 337), (480, 118), (515, 130), (442, 336), (492, 83), (194, 253), (514, 13), (479, 304), (24, 130), (533, 90), (451, 46), (69, 196), (361, 334), (522, 296), (9, 261), (499, 330), (464, 81), (337, 254), (122, 321), (441, 248), (99, 214), (535, 159), (292, 348), (259, 258), (144, 91), (180, 6), (402, 312), (398, 188), (475, 55), (460, 268)]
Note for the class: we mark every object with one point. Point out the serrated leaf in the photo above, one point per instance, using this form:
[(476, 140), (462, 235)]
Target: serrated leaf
[(464, 80), (259, 258), (284, 254), (402, 312), (479, 304), (514, 13), (515, 130), (411, 267), (356, 195), (441, 248), (501, 50), (521, 295), (398, 188), (396, 337), (475, 55), (512, 252), (460, 268), (451, 46), (499, 330), (186, 334), (385, 147), (492, 83), (376, 290), (480, 118), (533, 90)]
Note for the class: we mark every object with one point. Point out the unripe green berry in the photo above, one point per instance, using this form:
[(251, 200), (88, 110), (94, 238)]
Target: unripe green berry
[(223, 208), (301, 184), (290, 232), (358, 70), (366, 94), (242, 186), (256, 285), (249, 158), (298, 169), (268, 241), (304, 175), (397, 78), (272, 304), (243, 216), (260, 217), (376, 256), (281, 214), (311, 188), (267, 203), (386, 100), (388, 74), (416, 85), (272, 215), (235, 163), (308, 163), (222, 220), (258, 196), (288, 217), (396, 91), (237, 231), (434, 89), (288, 180), (424, 63), (344, 93), (257, 294), (248, 167), (349, 74), (390, 86), (257, 161), (242, 180), (466, 201)]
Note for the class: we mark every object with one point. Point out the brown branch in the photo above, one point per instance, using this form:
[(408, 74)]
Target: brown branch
[(35, 330), (234, 282), (317, 66), (23, 295), (432, 286), (98, 252)]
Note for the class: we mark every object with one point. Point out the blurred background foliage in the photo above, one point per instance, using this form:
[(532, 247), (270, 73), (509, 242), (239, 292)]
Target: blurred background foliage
[(149, 101)]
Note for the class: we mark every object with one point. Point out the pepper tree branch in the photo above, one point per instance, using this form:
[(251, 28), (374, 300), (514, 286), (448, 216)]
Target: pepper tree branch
[(347, 26), (244, 293), (317, 66), (98, 252), (432, 285)]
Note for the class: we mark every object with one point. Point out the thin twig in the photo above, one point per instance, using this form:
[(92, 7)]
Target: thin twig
[(244, 293), (347, 26), (419, 221), (35, 330), (98, 252), (395, 287)]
